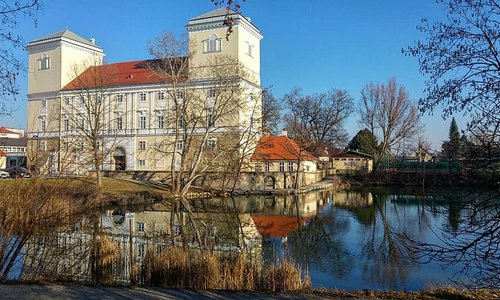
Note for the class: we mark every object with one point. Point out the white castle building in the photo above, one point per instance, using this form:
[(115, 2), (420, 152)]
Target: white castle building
[(140, 128)]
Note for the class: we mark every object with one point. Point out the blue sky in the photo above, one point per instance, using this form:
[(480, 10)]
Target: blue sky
[(316, 45)]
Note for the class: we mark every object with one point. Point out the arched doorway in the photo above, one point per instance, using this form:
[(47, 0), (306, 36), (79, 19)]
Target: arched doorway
[(269, 183), (120, 159)]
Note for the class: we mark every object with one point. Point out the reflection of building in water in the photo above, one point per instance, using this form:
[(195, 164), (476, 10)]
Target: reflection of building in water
[(303, 205), (276, 226), (352, 199), (67, 253)]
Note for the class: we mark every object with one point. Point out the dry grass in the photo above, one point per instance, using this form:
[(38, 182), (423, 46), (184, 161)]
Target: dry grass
[(103, 254), (111, 186), (181, 269), (436, 293), (285, 276)]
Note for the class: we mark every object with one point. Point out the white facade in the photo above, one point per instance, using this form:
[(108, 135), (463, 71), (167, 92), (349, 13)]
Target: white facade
[(137, 115)]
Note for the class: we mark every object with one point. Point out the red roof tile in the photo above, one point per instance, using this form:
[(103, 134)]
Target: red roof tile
[(279, 148), (276, 225), (124, 73), (6, 131)]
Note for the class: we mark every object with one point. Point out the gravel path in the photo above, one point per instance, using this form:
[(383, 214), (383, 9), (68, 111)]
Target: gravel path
[(24, 291)]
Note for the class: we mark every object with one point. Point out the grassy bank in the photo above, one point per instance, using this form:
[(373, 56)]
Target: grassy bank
[(112, 192), (445, 293)]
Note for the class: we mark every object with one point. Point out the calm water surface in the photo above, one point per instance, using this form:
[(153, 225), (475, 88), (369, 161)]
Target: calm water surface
[(345, 240)]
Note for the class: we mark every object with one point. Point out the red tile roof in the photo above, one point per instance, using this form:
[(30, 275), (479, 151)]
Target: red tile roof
[(124, 73), (276, 225), (279, 148), (6, 131)]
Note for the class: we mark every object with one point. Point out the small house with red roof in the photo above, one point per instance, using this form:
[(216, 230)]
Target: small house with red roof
[(282, 164)]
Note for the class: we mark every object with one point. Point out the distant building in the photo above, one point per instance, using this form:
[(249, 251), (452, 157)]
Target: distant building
[(420, 155), (13, 145), (351, 162)]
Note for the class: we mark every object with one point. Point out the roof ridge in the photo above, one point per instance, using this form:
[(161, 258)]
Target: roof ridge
[(222, 11), (66, 33)]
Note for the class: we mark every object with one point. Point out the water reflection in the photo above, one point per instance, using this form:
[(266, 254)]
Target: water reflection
[(345, 240)]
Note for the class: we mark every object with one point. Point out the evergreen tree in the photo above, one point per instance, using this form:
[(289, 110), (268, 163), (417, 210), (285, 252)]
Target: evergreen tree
[(452, 148), (364, 141), (454, 134)]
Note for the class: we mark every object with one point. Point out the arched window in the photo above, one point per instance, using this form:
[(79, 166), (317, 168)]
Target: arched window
[(44, 62), (212, 44)]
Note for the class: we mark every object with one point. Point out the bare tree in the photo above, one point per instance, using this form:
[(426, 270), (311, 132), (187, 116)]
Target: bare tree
[(205, 105), (88, 117), (461, 58), (317, 121), (11, 66), (231, 6), (387, 111), (271, 112)]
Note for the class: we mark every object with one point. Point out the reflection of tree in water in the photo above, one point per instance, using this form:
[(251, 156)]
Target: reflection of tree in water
[(473, 243), (384, 259), (320, 244)]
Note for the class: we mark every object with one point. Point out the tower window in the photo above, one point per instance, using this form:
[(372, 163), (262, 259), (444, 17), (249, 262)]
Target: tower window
[(44, 62), (213, 44), (249, 49)]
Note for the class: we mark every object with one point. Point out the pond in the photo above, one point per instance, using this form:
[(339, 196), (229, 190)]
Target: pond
[(343, 240)]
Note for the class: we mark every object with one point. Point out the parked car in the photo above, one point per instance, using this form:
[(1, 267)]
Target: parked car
[(4, 174), (18, 172)]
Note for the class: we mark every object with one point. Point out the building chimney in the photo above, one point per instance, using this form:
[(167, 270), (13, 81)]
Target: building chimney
[(284, 133), (92, 40)]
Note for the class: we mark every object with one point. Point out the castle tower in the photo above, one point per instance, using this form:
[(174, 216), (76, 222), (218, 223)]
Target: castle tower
[(53, 61), (207, 36)]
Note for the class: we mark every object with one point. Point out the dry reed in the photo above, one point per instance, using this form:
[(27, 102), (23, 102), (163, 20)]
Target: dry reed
[(183, 269), (103, 254)]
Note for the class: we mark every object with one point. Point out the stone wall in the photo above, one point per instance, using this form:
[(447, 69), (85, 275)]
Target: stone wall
[(248, 181)]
